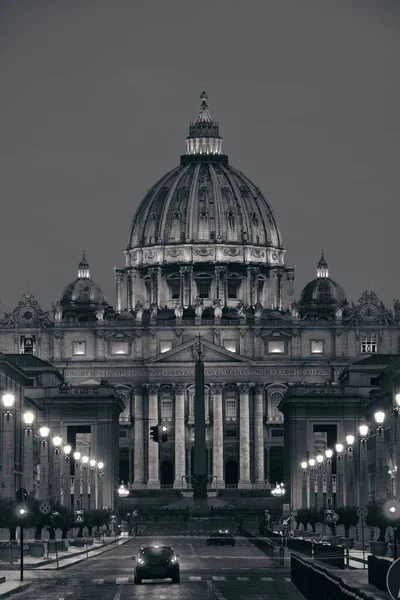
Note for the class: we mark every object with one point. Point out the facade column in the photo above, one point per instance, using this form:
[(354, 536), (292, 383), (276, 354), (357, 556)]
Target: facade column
[(153, 452), (180, 442), (189, 466), (119, 277), (218, 437), (138, 464), (259, 468), (244, 437)]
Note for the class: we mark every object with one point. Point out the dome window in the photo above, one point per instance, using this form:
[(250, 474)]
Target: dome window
[(203, 283), (233, 283), (203, 214), (174, 285)]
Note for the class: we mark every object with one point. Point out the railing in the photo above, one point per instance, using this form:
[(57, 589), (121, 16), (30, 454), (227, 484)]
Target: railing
[(377, 571), (330, 555), (315, 582)]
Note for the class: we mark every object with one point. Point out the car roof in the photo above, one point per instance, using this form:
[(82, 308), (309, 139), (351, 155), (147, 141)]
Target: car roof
[(144, 548)]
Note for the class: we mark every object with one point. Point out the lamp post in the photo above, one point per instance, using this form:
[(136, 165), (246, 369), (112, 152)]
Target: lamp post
[(8, 486), (123, 492), (350, 471), (329, 484), (396, 432), (380, 475), (66, 477), (311, 463), (340, 491), (27, 477), (320, 490), (100, 475), (304, 502), (92, 499), (77, 480), (44, 463), (56, 470), (85, 482), (363, 476)]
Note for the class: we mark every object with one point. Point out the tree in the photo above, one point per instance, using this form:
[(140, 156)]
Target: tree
[(313, 518), (64, 520), (377, 518), (8, 516), (347, 517)]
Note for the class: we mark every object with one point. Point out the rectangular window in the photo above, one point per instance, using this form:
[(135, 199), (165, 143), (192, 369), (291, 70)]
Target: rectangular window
[(27, 344), (317, 346), (276, 432), (230, 345), (230, 409), (368, 343), (119, 348), (79, 348), (374, 381), (276, 347), (165, 346), (233, 288), (230, 433), (166, 409), (203, 288), (175, 288)]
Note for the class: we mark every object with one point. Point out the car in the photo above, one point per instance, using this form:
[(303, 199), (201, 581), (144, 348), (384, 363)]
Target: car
[(221, 538), (156, 562)]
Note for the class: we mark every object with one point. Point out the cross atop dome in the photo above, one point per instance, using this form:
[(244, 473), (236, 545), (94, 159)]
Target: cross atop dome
[(203, 135), (322, 267)]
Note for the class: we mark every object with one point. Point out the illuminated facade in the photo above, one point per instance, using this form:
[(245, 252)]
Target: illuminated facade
[(204, 257)]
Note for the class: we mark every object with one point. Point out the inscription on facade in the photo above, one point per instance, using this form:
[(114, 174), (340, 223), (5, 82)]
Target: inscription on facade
[(211, 371), (65, 391)]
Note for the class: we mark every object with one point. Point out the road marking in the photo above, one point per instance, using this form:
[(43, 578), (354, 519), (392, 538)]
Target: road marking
[(218, 578), (98, 581), (120, 580), (267, 578), (213, 589), (118, 594), (194, 578), (242, 578)]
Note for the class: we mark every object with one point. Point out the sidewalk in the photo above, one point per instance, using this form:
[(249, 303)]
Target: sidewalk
[(65, 559)]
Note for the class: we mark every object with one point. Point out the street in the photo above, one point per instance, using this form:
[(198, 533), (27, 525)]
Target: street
[(224, 573)]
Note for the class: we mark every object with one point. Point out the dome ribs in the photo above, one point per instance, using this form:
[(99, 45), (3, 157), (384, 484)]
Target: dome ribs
[(164, 209)]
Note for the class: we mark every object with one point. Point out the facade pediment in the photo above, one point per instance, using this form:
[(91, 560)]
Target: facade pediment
[(187, 353)]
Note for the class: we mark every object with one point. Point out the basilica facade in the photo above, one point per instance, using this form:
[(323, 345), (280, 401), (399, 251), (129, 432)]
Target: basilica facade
[(204, 257)]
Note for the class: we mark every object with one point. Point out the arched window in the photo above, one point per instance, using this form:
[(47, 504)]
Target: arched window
[(275, 398)]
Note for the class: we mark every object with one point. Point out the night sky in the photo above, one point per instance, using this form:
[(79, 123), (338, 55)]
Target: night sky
[(95, 102)]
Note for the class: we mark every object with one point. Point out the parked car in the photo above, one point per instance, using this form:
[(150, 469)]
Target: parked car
[(221, 538), (156, 562)]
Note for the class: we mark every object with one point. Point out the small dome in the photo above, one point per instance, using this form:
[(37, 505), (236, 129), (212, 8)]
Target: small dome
[(321, 294), (83, 297), (322, 290)]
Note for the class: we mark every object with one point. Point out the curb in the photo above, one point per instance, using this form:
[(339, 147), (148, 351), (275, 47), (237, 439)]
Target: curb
[(80, 557), (16, 590)]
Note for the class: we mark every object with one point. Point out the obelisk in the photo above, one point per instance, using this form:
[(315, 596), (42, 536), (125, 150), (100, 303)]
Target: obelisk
[(200, 475)]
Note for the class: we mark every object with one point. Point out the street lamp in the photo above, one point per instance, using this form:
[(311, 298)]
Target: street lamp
[(350, 470), (363, 478), (380, 475), (77, 479), (329, 483), (304, 471), (44, 463), (66, 477), (8, 446), (92, 484), (27, 478), (320, 489), (85, 482), (340, 491), (56, 472), (100, 475), (311, 463)]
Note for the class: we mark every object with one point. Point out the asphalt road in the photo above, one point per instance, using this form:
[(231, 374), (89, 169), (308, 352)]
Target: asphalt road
[(207, 573)]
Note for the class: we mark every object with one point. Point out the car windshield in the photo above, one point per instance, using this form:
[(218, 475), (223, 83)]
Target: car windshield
[(224, 534), (157, 551)]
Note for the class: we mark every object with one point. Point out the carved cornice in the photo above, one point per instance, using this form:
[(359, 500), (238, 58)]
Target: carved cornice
[(138, 390), (244, 388), (259, 388)]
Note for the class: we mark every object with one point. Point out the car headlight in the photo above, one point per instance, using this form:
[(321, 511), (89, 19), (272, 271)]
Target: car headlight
[(140, 561), (173, 559)]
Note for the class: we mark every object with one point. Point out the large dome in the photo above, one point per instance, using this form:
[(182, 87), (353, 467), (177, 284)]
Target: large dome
[(204, 202)]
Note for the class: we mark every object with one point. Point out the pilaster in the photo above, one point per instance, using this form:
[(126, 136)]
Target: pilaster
[(180, 457), (244, 436), (138, 443), (218, 437), (153, 448)]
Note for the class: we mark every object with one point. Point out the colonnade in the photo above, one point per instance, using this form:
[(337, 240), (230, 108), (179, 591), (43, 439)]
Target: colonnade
[(146, 452)]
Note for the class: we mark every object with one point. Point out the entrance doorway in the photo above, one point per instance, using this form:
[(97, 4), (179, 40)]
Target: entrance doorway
[(231, 473), (167, 473)]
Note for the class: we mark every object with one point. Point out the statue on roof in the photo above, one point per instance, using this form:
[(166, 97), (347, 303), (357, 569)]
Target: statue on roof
[(198, 307)]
